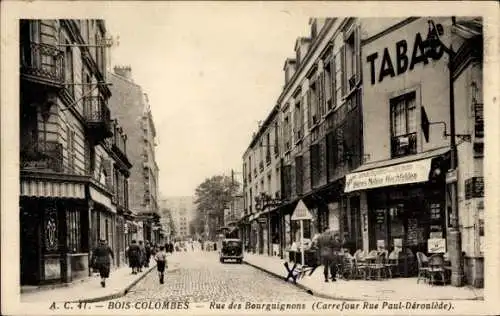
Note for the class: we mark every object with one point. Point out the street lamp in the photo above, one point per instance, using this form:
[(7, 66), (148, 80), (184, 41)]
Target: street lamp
[(432, 46)]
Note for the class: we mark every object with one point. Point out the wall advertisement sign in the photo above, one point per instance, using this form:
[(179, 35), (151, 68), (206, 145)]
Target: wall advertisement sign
[(412, 172)]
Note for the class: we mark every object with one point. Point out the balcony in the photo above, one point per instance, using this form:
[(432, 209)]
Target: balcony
[(97, 117), (42, 64), (119, 142), (47, 158), (404, 145)]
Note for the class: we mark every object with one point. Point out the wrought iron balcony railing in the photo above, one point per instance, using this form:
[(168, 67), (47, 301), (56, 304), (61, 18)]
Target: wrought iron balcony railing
[(42, 63), (47, 157), (97, 116), (404, 145)]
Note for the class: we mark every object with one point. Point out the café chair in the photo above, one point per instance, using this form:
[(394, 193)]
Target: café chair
[(423, 267), (436, 267)]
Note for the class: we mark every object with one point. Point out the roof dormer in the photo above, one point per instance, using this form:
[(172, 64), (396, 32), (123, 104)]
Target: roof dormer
[(301, 47), (289, 68)]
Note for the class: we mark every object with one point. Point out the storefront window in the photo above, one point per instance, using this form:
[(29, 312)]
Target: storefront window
[(73, 231)]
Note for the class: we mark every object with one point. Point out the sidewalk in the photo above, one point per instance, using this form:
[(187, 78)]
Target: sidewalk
[(391, 289), (89, 290)]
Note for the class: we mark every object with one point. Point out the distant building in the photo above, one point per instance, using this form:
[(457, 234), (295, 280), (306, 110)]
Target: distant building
[(183, 210), (132, 109)]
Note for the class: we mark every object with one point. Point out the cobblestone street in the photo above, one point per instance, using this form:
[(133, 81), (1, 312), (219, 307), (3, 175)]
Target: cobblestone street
[(202, 278)]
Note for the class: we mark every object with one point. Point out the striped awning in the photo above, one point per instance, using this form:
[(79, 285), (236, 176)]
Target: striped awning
[(44, 188), (101, 199)]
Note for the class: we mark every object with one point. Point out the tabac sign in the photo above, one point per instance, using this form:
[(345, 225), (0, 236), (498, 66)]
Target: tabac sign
[(413, 172)]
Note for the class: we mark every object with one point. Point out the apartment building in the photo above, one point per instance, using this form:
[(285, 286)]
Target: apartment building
[(262, 186), (131, 106), (318, 119), (403, 187), (365, 139), (69, 150)]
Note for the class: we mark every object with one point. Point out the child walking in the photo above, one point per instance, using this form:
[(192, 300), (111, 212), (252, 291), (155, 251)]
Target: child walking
[(161, 262)]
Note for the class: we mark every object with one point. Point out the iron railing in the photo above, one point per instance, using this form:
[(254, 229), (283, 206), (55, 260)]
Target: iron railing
[(42, 61), (96, 110), (48, 156), (404, 145)]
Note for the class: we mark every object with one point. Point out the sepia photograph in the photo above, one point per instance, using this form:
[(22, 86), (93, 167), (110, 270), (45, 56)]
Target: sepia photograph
[(248, 158)]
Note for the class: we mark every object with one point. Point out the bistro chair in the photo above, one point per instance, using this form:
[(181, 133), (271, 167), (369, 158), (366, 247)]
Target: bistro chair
[(360, 263), (380, 266), (393, 262), (436, 267), (348, 266), (371, 261), (423, 267)]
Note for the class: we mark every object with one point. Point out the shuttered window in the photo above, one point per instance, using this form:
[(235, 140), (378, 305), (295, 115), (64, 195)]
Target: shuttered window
[(315, 164), (299, 175)]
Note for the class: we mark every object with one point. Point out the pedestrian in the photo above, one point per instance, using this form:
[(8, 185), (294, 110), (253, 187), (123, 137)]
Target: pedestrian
[(325, 243), (142, 255), (100, 259), (338, 255), (133, 255), (147, 253), (161, 263)]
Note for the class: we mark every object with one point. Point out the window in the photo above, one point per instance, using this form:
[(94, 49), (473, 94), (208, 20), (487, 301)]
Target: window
[(68, 69), (286, 133), (338, 79), (71, 154), (73, 231), (328, 87), (350, 62), (299, 175), (313, 103), (403, 125), (268, 148), (298, 119), (276, 140), (315, 165)]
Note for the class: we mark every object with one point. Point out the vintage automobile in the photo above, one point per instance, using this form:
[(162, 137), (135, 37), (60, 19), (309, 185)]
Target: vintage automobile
[(231, 249)]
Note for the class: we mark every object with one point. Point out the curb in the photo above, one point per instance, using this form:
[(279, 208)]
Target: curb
[(116, 294), (333, 297), (125, 290)]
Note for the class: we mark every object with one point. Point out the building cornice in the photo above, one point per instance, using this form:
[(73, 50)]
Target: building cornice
[(389, 30)]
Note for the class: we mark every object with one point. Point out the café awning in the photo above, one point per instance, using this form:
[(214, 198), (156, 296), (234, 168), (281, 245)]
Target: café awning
[(404, 170)]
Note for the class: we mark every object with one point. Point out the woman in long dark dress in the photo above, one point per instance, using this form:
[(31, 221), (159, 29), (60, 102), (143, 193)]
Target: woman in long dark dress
[(101, 260)]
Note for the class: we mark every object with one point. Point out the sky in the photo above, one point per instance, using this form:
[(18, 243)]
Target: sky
[(210, 74)]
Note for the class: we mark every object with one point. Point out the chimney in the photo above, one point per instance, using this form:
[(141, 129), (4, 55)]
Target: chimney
[(124, 71)]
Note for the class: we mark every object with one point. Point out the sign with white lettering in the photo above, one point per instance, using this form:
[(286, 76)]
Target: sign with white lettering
[(301, 212), (412, 172)]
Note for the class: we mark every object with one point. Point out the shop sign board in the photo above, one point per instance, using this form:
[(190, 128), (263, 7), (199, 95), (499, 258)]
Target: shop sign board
[(451, 176), (406, 173), (436, 245)]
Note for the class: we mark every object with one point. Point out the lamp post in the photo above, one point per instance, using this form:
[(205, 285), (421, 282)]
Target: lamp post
[(432, 45)]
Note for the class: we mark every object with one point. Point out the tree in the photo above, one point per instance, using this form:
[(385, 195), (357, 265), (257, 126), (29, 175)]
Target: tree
[(212, 196)]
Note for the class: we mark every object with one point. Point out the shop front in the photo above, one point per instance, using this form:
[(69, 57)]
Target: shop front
[(53, 231), (402, 205)]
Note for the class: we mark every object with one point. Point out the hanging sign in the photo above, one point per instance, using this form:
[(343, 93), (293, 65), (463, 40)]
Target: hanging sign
[(301, 212)]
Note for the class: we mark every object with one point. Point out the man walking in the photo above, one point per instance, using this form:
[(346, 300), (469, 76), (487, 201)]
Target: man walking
[(325, 244), (100, 259)]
